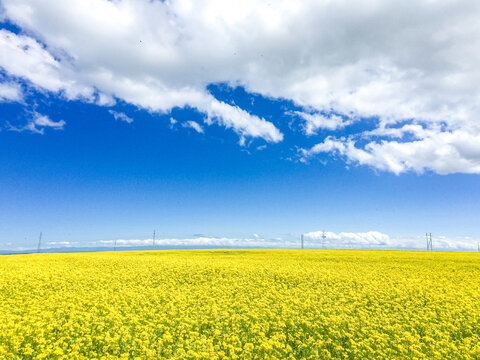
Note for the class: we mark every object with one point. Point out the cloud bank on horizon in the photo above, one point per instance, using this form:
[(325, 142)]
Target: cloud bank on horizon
[(312, 240), (410, 67)]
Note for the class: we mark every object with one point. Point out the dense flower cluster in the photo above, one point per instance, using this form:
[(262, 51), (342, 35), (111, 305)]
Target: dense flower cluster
[(253, 304)]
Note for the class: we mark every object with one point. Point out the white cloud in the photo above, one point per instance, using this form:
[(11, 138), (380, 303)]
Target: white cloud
[(10, 91), (62, 243), (24, 57), (30, 126), (348, 238), (314, 122), (173, 121), (38, 123), (194, 125), (201, 241), (378, 240), (121, 116), (312, 240), (105, 100), (238, 119), (43, 120), (442, 152), (391, 60), (134, 59)]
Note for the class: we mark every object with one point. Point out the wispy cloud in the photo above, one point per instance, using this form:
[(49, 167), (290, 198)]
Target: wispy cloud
[(201, 241), (62, 243), (120, 116), (193, 125), (45, 121), (37, 124)]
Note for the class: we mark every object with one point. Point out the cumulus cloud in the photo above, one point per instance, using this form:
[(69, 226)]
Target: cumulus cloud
[(22, 56), (121, 116), (378, 240), (10, 91), (137, 52), (314, 122), (442, 152), (373, 238), (393, 61), (105, 100)]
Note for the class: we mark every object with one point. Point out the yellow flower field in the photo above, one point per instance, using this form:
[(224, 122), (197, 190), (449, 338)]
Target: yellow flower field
[(248, 304)]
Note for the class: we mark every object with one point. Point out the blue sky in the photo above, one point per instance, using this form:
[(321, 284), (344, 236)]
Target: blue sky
[(97, 146)]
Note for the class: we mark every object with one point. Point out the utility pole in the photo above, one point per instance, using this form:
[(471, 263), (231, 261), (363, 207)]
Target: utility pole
[(428, 237), (115, 245), (153, 239), (302, 241), (39, 243), (323, 240)]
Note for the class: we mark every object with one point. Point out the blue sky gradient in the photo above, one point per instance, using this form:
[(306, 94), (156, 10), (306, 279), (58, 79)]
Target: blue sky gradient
[(99, 178), (239, 138)]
